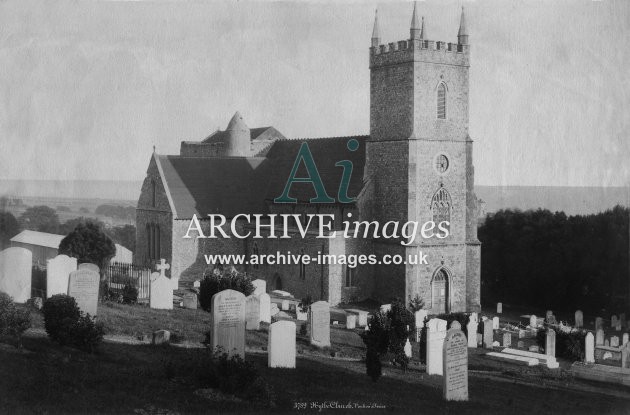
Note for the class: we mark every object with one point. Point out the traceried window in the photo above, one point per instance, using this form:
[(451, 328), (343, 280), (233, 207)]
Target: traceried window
[(441, 101), (441, 207)]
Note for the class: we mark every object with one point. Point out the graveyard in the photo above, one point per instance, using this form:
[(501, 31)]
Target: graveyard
[(154, 359)]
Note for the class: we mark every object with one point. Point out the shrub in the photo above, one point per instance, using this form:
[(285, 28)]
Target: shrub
[(400, 323), (129, 293), (235, 376), (376, 340), (66, 325), (60, 312), (416, 303), (13, 320), (220, 279)]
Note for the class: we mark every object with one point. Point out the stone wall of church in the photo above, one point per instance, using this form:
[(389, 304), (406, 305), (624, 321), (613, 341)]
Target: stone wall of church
[(152, 210)]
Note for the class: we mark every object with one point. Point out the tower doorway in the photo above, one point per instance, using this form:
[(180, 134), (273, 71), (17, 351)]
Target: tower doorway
[(440, 292)]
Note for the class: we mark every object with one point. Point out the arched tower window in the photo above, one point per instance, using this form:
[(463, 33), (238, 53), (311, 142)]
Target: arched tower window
[(441, 207), (441, 101), (153, 242), (349, 276)]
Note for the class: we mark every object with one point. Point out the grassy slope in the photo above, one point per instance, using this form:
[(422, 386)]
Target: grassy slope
[(124, 377)]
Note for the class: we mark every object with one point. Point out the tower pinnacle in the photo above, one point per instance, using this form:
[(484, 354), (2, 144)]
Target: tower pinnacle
[(423, 34), (376, 34), (462, 35), (415, 30)]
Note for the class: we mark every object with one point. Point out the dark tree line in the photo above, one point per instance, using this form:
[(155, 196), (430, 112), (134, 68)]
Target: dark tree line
[(551, 261)]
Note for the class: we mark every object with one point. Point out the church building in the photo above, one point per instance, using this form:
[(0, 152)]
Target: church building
[(415, 165)]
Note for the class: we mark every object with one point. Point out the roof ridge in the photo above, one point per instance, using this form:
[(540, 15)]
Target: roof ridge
[(325, 138)]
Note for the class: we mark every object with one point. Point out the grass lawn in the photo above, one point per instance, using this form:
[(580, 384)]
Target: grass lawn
[(131, 376)]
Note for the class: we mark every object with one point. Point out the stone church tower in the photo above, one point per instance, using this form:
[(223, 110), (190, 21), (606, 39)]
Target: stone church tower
[(419, 165)]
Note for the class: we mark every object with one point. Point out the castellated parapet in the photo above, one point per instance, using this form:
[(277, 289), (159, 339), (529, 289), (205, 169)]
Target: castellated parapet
[(419, 50)]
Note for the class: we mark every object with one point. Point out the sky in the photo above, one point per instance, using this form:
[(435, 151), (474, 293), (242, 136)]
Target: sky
[(89, 87)]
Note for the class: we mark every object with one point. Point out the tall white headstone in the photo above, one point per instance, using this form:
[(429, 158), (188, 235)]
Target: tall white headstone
[(265, 308), (533, 321), (499, 308), (589, 348), (83, 285), (495, 323), (260, 286), (579, 319), (15, 273), (58, 271), (228, 322), (455, 362), (319, 320), (488, 334), (252, 312), (599, 337), (471, 329), (161, 292), (281, 344), (436, 332)]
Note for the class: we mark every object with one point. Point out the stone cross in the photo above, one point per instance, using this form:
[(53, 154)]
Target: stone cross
[(162, 267)]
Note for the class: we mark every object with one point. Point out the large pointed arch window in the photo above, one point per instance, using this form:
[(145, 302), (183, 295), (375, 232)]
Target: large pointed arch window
[(441, 207), (441, 101)]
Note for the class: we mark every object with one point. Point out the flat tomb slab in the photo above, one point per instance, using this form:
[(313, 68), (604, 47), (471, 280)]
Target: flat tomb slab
[(519, 360), (601, 373), (550, 361)]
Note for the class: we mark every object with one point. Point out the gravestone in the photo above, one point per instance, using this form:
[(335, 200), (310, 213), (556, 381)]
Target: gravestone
[(436, 333), (520, 344), (281, 344), (15, 273), (456, 325), (362, 316), (90, 266), (58, 271), (599, 337), (299, 315), (260, 286), (550, 343), (285, 305), (614, 341), (521, 334), (533, 321), (495, 323), (351, 321), (320, 324), (83, 286), (252, 312), (499, 308), (618, 326), (549, 317), (613, 320), (589, 348), (408, 349), (507, 340), (606, 343), (579, 319), (455, 366), (599, 323), (624, 339), (488, 334), (190, 301), (473, 317), (625, 356), (161, 292), (471, 329), (265, 308), (228, 322)]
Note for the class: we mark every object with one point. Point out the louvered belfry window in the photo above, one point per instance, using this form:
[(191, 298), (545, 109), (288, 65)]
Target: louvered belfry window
[(441, 102)]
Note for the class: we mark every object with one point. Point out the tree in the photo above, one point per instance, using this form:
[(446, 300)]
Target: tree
[(9, 227), (68, 226), (124, 235), (88, 243), (41, 219)]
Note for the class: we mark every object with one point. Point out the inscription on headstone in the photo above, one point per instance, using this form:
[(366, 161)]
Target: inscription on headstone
[(455, 361), (83, 286), (228, 322)]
